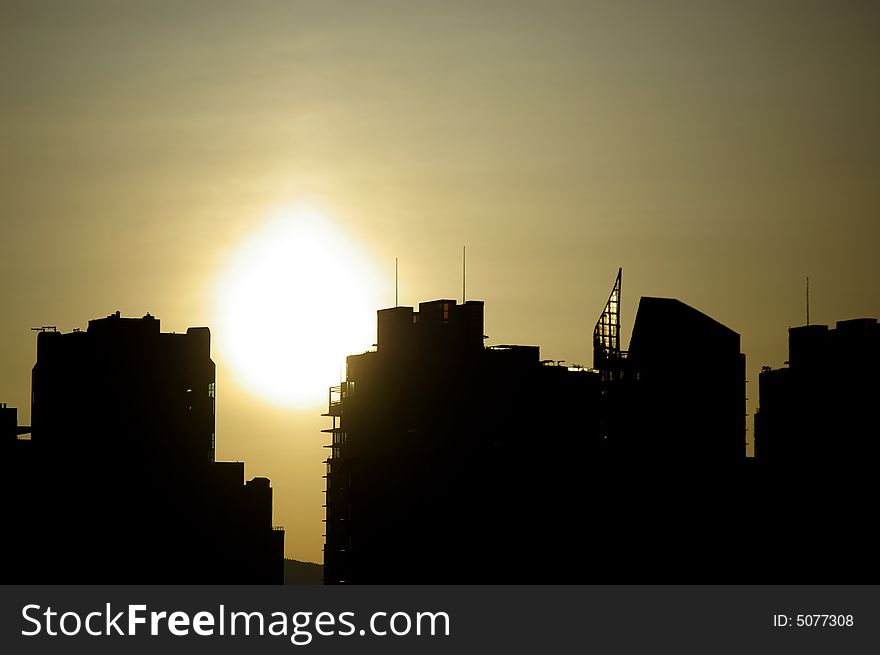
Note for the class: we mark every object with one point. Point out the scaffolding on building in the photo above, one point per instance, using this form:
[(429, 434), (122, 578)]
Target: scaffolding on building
[(337, 504), (608, 357)]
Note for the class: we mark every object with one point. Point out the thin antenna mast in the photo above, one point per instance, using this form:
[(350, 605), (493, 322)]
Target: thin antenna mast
[(808, 300), (396, 284), (463, 274)]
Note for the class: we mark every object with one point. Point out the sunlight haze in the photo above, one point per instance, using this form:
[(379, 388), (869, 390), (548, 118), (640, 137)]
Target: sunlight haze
[(719, 152)]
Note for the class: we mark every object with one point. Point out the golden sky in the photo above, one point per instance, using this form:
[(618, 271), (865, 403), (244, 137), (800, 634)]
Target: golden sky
[(718, 151)]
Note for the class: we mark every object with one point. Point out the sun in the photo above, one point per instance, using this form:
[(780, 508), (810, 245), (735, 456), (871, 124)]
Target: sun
[(295, 300)]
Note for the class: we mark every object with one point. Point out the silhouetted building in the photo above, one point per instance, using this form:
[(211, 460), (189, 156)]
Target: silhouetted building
[(825, 405), (689, 386), (120, 484), (10, 430), (8, 424), (816, 447), (672, 472), (11, 433), (452, 462), (432, 437)]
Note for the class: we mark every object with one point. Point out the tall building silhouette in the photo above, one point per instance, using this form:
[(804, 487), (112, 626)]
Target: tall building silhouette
[(823, 406), (452, 462), (431, 435), (119, 483), (816, 448), (689, 385)]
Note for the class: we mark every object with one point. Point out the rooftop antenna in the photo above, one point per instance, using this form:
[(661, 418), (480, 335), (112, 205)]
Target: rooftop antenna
[(808, 300), (463, 274), (396, 284)]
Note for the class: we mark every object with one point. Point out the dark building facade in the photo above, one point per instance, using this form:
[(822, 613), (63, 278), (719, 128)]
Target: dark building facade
[(817, 437), (118, 483), (430, 438), (688, 386), (452, 462), (824, 406), (10, 431)]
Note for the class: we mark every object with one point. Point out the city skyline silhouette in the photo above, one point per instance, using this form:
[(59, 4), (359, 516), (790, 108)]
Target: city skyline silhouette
[(451, 462), (258, 167), (444, 465)]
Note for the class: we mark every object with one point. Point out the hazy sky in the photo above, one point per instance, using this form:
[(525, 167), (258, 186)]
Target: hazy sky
[(718, 151)]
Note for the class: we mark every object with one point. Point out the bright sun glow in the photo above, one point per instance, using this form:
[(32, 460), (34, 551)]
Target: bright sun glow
[(297, 298)]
